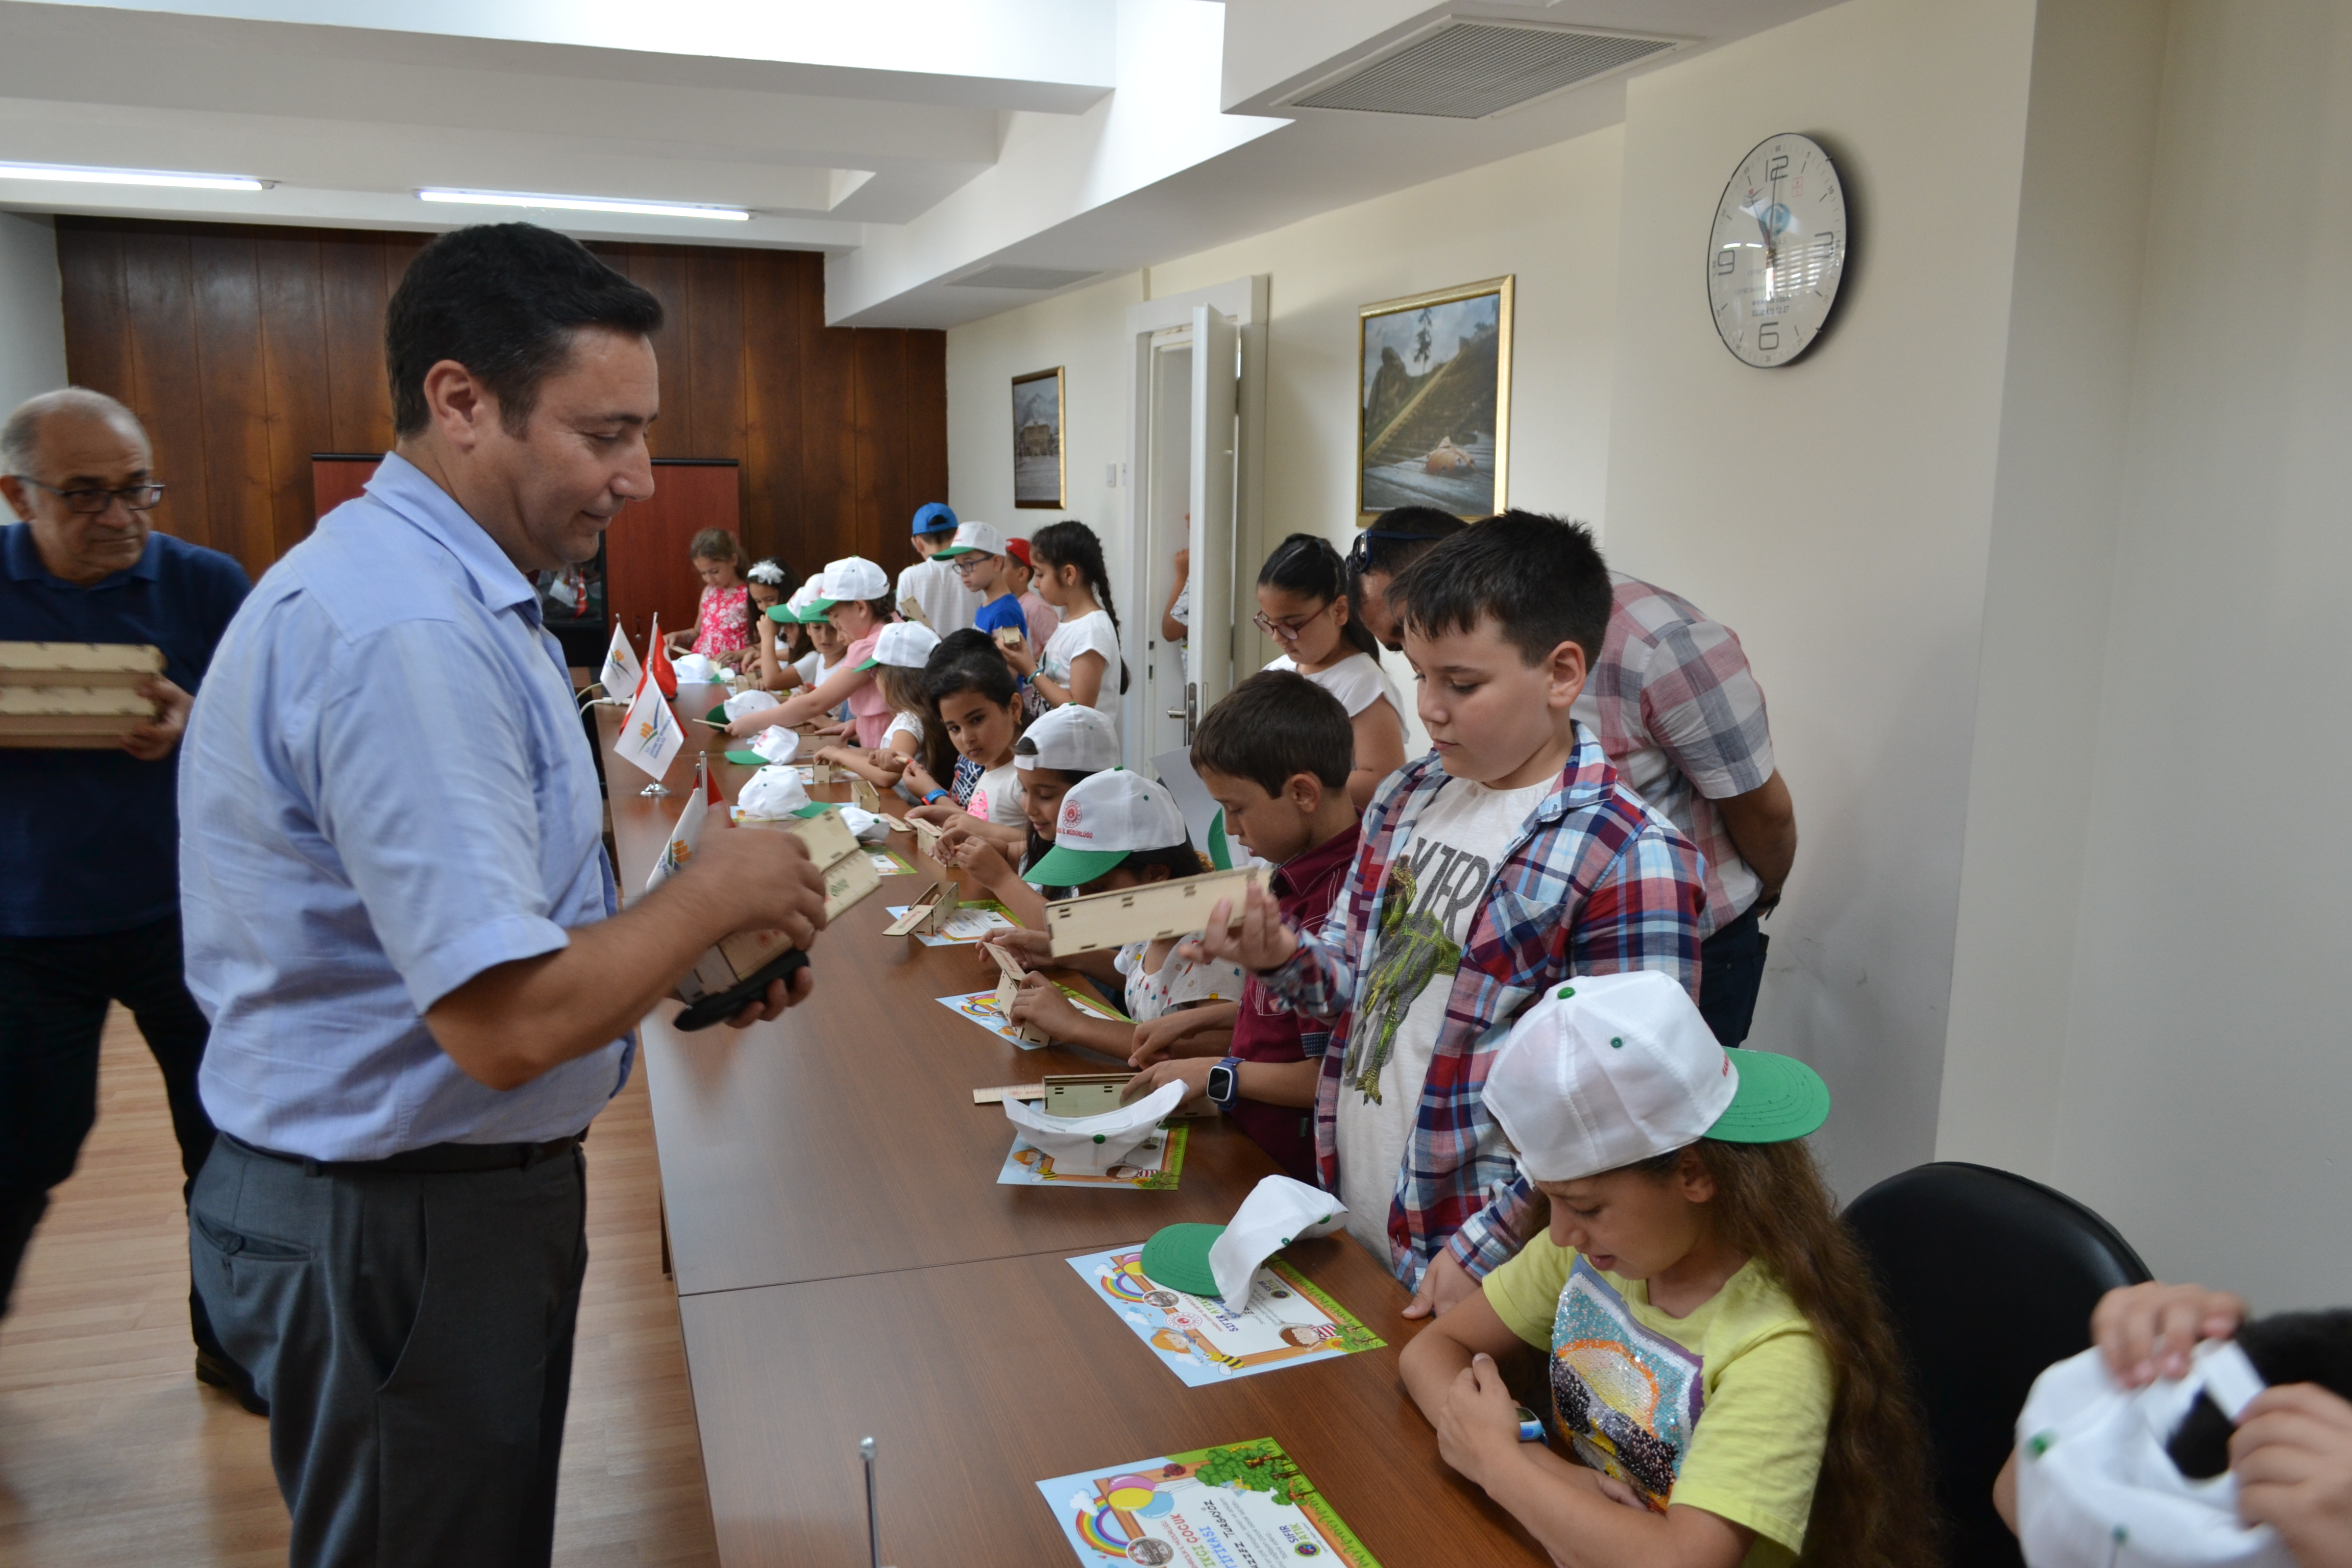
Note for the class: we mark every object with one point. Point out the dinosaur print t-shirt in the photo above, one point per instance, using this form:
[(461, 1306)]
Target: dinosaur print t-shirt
[(1437, 881)]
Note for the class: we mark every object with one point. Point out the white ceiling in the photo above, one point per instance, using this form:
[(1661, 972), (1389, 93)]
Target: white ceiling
[(915, 142)]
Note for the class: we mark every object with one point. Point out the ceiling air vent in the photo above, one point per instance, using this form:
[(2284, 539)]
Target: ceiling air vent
[(1467, 71), (1037, 278)]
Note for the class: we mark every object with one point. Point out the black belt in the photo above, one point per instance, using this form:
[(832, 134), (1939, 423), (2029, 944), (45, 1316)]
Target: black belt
[(434, 1160)]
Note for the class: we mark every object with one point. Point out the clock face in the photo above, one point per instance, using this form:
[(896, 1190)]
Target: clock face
[(1778, 250)]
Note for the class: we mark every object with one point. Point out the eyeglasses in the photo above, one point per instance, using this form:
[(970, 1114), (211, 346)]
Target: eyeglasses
[(1288, 631), (89, 503)]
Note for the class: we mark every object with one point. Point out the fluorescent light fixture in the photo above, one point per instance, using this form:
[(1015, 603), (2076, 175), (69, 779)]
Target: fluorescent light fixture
[(585, 204), (72, 175)]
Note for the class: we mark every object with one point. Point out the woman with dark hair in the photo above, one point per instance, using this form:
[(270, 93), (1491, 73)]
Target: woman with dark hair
[(1303, 605)]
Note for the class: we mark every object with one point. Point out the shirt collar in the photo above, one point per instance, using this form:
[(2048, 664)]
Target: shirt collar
[(25, 564), (1302, 871), (402, 488)]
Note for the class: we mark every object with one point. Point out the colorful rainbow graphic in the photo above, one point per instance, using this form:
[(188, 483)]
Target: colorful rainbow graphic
[(1125, 1281), (1098, 1530)]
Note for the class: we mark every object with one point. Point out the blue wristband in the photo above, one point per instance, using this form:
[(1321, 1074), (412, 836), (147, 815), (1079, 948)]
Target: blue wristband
[(936, 797)]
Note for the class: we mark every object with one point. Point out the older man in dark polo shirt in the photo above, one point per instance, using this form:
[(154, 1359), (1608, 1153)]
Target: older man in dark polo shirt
[(89, 906)]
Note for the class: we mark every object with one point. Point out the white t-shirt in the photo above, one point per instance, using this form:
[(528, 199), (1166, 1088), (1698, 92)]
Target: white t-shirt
[(1445, 866), (947, 604), (904, 724), (1357, 680), (1178, 982), (1181, 612), (813, 669), (1089, 632), (997, 797)]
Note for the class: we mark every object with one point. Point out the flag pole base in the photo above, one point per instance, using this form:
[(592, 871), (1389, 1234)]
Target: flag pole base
[(654, 789)]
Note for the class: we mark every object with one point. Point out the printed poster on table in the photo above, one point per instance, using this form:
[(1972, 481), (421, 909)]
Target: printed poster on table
[(1153, 1168), (1287, 1320), (981, 1007), (1213, 1508), (975, 920)]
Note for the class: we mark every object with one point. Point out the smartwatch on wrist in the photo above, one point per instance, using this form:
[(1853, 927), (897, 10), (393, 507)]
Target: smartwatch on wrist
[(1225, 1083)]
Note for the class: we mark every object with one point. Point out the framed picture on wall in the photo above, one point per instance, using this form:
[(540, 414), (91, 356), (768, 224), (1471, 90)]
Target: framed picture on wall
[(1434, 390), (1038, 477)]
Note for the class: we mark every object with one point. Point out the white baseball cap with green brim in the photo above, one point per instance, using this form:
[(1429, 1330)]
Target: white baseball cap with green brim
[(1071, 739), (905, 644), (1103, 819), (1608, 1070), (851, 577), (972, 539)]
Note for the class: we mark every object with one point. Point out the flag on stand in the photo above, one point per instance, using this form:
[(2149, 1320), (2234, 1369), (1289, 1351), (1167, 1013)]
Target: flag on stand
[(686, 835), (621, 666), (657, 661), (649, 734)]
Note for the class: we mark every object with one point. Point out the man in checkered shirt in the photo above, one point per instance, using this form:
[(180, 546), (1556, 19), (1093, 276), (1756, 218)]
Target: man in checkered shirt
[(1682, 719)]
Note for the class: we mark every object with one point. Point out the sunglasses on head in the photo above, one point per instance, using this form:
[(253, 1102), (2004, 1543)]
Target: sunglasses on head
[(1360, 554)]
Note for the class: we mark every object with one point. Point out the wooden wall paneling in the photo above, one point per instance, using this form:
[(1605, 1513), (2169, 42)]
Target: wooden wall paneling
[(98, 328), (828, 417), (926, 427), (773, 508), (714, 341), (646, 569), (662, 270), (300, 414), (165, 387), (227, 297), (353, 292), (881, 408)]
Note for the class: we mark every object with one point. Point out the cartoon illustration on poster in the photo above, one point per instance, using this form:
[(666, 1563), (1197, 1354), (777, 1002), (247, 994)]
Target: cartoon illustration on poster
[(1153, 1168), (1244, 1502), (1286, 1321)]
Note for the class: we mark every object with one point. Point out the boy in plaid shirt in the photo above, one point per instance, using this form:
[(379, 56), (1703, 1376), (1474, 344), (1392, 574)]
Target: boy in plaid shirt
[(1508, 859)]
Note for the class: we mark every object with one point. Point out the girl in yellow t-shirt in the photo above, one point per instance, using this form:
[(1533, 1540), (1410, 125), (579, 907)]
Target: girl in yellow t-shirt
[(1717, 1362)]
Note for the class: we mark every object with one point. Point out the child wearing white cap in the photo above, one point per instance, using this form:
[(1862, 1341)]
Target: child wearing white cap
[(1054, 752), (980, 555), (1117, 829), (853, 597), (1716, 1353), (900, 655)]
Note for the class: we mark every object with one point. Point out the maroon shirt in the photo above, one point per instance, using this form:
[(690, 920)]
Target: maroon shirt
[(1305, 886)]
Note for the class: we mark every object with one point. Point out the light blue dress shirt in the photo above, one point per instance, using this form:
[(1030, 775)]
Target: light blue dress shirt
[(385, 790)]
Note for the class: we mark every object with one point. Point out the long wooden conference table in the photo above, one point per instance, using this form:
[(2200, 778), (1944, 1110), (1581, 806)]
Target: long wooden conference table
[(847, 1266)]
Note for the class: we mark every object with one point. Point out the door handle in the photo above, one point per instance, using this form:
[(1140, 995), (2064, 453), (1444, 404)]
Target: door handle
[(1175, 713)]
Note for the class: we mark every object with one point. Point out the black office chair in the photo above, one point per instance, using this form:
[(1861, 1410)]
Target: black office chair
[(1988, 1278)]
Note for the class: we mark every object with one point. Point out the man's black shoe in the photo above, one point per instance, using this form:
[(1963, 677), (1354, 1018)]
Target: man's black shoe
[(226, 1374)]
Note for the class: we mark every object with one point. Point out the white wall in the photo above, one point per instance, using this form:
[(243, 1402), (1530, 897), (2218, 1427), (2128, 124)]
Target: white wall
[(32, 313), (1550, 217), (1835, 513), (2207, 1081)]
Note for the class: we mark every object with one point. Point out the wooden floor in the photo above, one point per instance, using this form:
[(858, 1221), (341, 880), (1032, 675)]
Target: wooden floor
[(110, 1452)]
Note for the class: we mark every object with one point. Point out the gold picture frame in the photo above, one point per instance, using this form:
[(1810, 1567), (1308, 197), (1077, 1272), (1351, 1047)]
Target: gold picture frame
[(1040, 461), (1432, 430)]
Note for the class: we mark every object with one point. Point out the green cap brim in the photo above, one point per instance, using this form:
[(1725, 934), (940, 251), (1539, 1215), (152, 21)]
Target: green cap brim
[(747, 759), (783, 616), (1177, 1255), (1220, 855), (870, 664), (1780, 1098), (1066, 868), (718, 715), (957, 552), (818, 608)]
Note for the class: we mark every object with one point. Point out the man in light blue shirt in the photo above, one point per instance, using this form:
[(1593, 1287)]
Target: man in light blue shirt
[(400, 920)]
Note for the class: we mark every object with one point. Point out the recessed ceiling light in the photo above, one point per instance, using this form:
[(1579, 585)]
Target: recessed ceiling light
[(71, 174), (586, 205)]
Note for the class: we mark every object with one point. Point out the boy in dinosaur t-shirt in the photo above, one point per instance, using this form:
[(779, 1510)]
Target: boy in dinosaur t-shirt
[(1506, 860)]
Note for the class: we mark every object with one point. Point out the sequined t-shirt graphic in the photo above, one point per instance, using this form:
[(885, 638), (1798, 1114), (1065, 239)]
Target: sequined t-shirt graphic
[(1436, 883), (1627, 1399)]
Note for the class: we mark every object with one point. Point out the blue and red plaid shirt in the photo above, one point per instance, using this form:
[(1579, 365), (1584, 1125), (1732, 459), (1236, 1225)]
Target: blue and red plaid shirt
[(1596, 883)]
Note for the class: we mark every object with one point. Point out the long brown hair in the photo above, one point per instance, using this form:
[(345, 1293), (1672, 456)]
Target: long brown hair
[(1870, 1508)]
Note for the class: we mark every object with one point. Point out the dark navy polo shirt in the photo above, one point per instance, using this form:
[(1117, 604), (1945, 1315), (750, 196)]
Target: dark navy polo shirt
[(91, 838)]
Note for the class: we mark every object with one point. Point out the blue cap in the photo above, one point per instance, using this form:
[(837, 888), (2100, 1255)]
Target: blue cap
[(934, 517)]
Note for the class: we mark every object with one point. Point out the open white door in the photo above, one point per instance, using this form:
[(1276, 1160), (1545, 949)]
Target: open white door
[(1209, 650)]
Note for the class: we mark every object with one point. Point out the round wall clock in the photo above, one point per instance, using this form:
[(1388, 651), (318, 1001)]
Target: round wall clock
[(1777, 251)]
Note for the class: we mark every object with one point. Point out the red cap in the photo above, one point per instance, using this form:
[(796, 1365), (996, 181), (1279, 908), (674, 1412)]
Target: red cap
[(1019, 550)]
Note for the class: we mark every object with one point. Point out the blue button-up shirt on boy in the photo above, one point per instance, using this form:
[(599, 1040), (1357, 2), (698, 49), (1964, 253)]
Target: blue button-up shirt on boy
[(384, 791)]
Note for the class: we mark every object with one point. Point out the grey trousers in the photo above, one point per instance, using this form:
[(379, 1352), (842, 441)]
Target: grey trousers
[(413, 1335)]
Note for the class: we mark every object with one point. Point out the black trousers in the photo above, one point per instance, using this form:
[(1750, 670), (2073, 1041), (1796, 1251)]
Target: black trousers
[(412, 1334), (53, 991), (1731, 970)]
